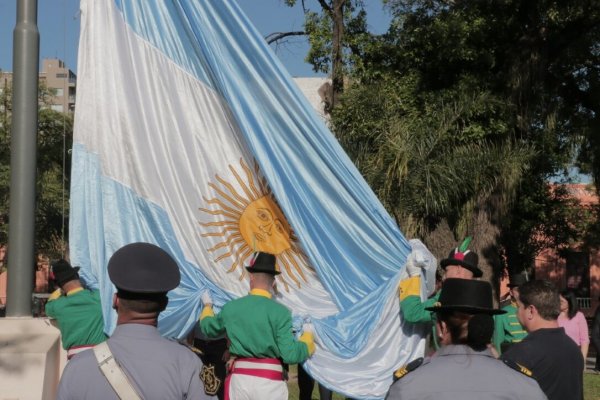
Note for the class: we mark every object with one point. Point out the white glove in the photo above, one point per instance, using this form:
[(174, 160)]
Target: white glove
[(206, 298), (308, 327), (414, 264)]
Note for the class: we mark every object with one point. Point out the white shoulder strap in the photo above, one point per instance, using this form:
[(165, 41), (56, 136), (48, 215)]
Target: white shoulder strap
[(114, 374)]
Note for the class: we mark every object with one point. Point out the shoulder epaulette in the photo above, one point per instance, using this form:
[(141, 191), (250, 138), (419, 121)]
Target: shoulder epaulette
[(411, 366), (189, 346), (518, 367)]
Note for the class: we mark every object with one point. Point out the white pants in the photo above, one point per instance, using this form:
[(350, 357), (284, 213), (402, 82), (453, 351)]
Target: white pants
[(247, 387)]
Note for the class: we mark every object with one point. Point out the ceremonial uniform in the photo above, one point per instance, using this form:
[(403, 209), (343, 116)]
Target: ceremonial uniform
[(260, 337), (508, 330), (554, 359), (459, 372), (158, 368), (79, 317)]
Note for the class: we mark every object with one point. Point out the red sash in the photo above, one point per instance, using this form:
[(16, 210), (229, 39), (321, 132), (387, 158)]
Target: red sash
[(275, 374)]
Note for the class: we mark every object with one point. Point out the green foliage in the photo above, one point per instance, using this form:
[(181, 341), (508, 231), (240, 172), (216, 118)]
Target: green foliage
[(54, 137), (471, 106)]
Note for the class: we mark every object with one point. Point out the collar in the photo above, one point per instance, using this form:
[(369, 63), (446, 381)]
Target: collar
[(461, 349), (73, 291), (261, 292)]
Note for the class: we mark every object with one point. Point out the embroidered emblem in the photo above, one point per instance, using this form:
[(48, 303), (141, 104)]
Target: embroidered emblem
[(210, 380)]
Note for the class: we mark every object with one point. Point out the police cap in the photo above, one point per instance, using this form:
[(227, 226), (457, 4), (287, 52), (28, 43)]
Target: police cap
[(143, 268)]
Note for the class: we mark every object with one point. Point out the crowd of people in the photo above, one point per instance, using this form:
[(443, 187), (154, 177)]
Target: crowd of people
[(532, 348)]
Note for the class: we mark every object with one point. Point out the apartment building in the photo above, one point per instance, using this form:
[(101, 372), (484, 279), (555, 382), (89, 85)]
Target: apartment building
[(56, 76)]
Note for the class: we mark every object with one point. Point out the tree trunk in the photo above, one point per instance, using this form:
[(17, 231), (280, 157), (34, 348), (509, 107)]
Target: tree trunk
[(337, 60)]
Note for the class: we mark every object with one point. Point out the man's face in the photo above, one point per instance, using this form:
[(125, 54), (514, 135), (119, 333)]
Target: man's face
[(456, 271)]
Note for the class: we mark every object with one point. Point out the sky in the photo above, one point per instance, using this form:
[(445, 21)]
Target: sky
[(58, 23)]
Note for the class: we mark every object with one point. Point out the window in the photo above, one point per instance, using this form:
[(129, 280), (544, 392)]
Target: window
[(578, 273), (59, 92), (61, 75), (57, 107)]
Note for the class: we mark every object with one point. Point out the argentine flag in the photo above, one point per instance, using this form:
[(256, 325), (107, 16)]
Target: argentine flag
[(190, 134)]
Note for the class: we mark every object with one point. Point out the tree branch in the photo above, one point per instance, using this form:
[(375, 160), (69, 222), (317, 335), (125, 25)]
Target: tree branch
[(275, 36)]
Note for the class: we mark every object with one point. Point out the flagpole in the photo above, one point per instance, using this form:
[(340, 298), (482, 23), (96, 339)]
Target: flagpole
[(21, 231)]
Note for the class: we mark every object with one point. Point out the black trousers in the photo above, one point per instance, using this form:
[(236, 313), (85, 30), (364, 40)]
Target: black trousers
[(306, 384)]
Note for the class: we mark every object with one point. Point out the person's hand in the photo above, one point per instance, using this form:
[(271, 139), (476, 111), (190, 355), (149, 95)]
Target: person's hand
[(308, 338), (206, 298), (308, 327), (414, 264)]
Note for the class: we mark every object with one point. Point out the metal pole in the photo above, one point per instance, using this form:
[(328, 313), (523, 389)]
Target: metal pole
[(21, 231)]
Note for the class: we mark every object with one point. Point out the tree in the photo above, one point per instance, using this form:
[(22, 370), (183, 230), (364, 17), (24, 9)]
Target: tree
[(336, 36), (524, 74), (54, 137)]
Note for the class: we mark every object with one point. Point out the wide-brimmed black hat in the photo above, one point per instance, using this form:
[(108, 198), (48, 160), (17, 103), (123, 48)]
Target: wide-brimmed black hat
[(63, 272), (464, 257), (466, 295), (143, 268), (263, 262), (517, 280)]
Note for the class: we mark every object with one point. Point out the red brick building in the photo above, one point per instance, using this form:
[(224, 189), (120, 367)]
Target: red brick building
[(579, 269)]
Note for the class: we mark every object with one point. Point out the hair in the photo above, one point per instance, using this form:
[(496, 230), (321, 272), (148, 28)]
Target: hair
[(264, 278), (572, 301), (143, 303), (543, 295), (473, 330)]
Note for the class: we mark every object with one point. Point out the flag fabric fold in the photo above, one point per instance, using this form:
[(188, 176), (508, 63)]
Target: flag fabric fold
[(191, 135)]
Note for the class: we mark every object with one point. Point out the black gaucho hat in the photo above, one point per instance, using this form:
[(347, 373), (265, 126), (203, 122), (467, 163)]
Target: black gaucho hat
[(63, 272), (517, 280), (143, 268), (463, 257), (466, 295), (263, 262)]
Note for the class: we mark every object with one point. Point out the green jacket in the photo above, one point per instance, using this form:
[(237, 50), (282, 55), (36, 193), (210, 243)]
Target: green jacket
[(257, 327), (507, 328), (79, 316)]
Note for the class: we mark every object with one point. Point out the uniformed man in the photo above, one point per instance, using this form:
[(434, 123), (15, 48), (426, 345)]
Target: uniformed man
[(143, 363), (508, 330), (461, 263), (464, 367), (260, 335), (76, 309)]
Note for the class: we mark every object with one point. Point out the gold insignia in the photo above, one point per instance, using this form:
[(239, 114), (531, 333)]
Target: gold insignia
[(518, 367), (210, 380), (400, 372), (411, 366), (437, 304), (524, 370)]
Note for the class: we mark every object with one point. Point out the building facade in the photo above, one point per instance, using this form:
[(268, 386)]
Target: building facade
[(58, 78)]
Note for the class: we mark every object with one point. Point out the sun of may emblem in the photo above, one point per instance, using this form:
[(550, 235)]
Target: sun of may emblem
[(250, 220)]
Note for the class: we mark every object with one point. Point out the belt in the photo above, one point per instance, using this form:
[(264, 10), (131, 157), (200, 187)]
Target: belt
[(78, 349), (269, 368)]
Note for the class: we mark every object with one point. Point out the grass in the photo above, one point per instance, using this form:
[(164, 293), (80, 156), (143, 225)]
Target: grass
[(591, 386)]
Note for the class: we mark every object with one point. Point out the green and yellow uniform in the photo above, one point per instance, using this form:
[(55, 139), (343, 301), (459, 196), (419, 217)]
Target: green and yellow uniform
[(257, 327), (413, 308), (79, 316), (507, 329)]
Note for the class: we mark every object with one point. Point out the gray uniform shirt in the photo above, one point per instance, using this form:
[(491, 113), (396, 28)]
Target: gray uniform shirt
[(459, 372), (157, 367)]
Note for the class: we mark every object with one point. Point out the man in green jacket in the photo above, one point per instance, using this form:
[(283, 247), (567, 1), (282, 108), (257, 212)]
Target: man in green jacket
[(77, 310), (461, 263), (260, 334), (507, 328)]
